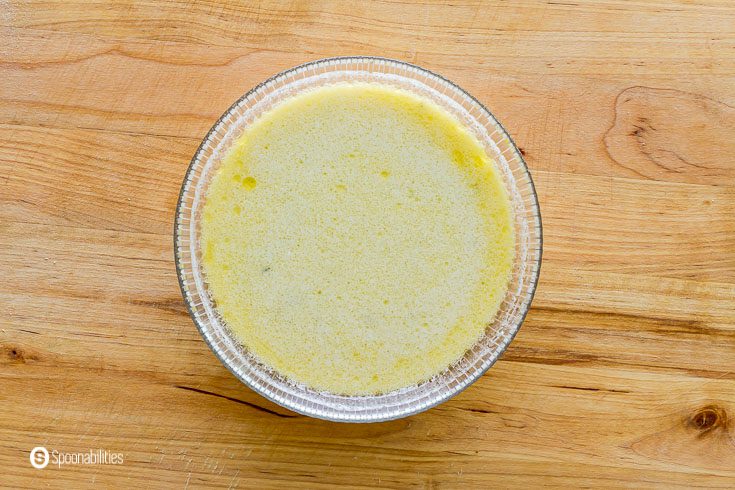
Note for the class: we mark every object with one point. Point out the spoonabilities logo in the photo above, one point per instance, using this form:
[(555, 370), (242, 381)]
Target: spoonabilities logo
[(39, 457)]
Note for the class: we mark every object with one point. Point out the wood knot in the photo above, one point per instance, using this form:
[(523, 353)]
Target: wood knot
[(650, 139), (16, 354), (708, 419)]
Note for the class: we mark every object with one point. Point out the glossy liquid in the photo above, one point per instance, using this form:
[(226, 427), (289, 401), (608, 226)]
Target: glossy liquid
[(357, 239)]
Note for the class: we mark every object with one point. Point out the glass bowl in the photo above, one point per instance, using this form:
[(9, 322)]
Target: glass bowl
[(407, 401)]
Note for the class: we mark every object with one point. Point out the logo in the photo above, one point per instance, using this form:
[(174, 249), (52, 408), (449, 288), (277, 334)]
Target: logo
[(39, 457)]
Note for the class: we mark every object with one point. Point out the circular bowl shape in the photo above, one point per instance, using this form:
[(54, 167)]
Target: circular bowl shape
[(497, 144)]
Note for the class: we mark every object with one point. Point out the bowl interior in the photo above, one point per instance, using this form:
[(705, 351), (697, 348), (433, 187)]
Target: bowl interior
[(406, 401)]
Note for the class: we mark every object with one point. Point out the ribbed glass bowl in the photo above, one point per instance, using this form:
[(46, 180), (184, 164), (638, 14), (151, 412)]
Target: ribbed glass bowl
[(406, 401)]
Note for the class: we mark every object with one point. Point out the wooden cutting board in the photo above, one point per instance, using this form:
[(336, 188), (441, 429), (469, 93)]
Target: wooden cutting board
[(624, 371)]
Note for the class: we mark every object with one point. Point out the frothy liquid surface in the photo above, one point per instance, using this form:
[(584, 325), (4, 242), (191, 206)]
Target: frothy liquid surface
[(357, 239)]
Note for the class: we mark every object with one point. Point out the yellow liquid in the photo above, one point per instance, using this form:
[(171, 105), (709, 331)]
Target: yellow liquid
[(357, 239)]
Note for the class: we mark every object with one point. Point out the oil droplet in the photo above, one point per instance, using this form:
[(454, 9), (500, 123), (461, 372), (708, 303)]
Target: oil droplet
[(236, 177), (249, 183), (237, 209), (209, 251), (458, 157), (340, 187), (385, 173)]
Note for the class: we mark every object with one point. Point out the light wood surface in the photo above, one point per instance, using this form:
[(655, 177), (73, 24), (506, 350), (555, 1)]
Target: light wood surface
[(624, 372)]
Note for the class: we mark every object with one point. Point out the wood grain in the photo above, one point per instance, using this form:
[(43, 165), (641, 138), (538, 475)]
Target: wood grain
[(622, 375)]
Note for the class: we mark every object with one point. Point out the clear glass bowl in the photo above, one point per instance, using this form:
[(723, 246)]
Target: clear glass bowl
[(406, 401)]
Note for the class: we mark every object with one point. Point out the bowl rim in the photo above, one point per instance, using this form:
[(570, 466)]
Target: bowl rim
[(292, 407)]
